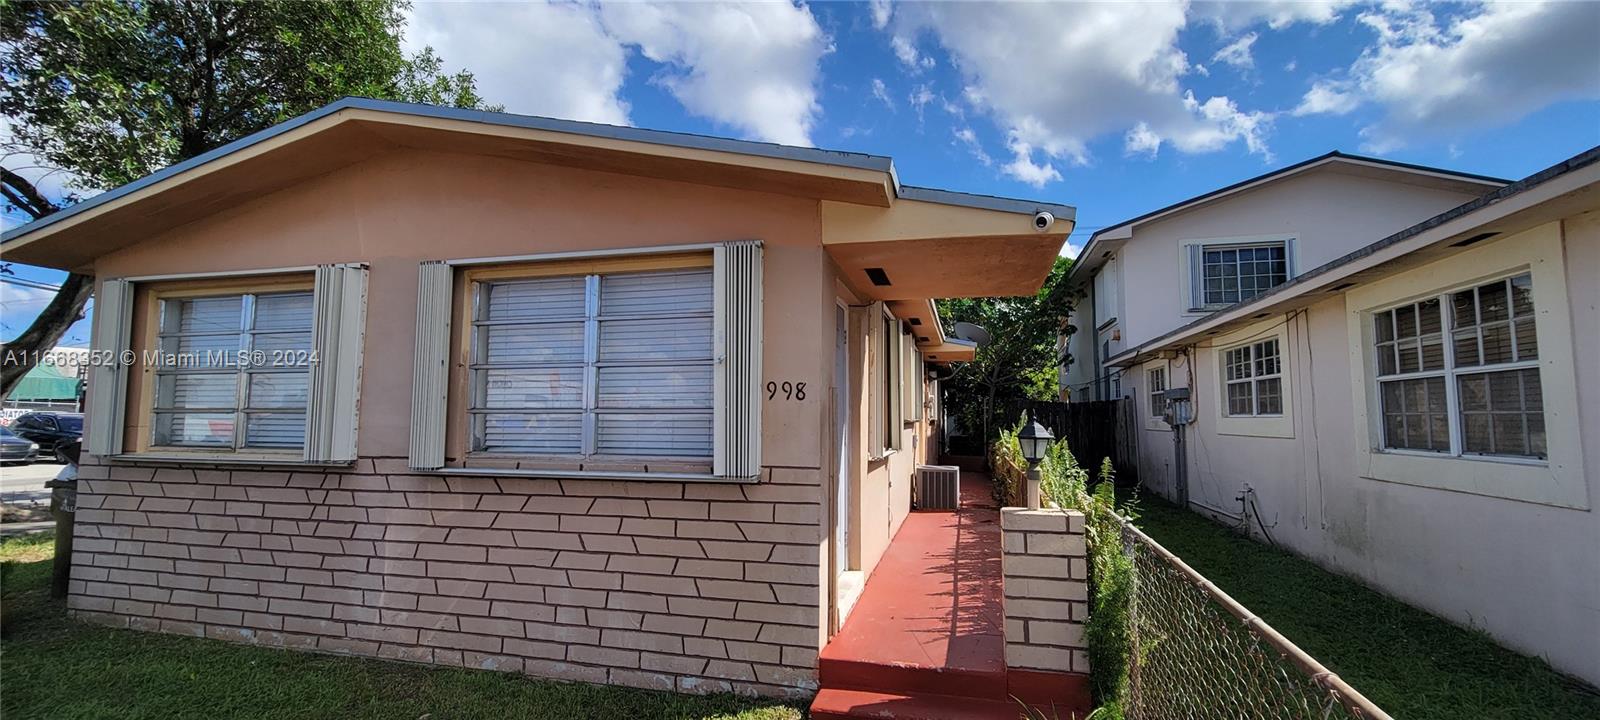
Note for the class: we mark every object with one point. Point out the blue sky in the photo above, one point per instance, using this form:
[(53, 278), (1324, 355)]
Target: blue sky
[(1116, 109)]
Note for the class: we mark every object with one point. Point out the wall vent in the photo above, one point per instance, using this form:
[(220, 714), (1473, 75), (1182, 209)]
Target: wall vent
[(1480, 237)]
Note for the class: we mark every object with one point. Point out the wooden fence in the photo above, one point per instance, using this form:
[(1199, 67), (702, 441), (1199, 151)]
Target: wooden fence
[(1094, 430)]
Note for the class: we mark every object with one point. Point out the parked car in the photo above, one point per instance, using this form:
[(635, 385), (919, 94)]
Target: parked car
[(16, 449), (49, 429)]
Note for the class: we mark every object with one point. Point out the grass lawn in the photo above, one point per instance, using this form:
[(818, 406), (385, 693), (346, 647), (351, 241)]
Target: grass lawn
[(1413, 665), (54, 667)]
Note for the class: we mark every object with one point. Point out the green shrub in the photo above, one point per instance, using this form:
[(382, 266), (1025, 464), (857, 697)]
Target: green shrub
[(1008, 468), (1067, 485), (1111, 573), (1111, 579), (1062, 480)]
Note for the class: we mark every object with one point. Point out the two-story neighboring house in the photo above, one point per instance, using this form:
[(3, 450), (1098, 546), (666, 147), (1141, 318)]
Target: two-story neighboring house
[(1146, 276), (1389, 370)]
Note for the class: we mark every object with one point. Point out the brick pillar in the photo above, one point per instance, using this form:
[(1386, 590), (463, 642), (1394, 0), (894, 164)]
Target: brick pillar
[(1046, 579)]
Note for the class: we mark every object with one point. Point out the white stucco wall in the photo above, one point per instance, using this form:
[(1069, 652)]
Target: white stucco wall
[(1525, 572), (1084, 368), (1328, 212)]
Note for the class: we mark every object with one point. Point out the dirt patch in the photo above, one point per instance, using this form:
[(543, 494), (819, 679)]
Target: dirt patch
[(24, 513)]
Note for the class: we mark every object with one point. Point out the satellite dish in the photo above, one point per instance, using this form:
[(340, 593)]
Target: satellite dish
[(971, 333)]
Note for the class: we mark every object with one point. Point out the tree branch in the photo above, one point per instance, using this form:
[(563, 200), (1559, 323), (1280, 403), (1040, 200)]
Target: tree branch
[(66, 308), (24, 195)]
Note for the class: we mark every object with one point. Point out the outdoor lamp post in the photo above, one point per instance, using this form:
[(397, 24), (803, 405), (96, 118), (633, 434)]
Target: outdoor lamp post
[(1035, 440)]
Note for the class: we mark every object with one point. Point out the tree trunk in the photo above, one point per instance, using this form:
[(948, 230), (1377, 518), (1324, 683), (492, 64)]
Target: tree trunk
[(66, 308)]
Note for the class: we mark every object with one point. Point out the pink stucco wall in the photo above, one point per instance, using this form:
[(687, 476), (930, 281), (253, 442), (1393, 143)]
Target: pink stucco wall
[(687, 586)]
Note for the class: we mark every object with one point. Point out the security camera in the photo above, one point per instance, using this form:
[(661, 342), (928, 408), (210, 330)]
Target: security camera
[(1042, 221)]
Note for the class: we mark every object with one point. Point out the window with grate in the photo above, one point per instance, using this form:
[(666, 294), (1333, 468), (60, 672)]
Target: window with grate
[(1459, 373), (234, 371), (1252, 378), (595, 365)]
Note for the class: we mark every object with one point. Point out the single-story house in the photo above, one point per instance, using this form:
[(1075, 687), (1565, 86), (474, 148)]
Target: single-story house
[(585, 402), (1385, 368)]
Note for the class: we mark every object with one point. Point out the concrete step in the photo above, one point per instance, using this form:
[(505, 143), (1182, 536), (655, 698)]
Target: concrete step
[(911, 678), (838, 704)]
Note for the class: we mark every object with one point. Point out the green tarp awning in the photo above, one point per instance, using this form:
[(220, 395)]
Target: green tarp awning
[(46, 382)]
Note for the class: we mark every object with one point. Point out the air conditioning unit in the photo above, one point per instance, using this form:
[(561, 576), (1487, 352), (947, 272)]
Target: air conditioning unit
[(938, 487)]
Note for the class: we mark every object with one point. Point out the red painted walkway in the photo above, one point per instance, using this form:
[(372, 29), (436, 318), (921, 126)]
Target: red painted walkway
[(927, 637)]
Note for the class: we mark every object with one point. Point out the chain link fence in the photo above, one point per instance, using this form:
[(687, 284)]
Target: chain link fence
[(1198, 654)]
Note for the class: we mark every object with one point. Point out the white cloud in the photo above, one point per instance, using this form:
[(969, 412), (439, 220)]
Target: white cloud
[(955, 109), (881, 10), (1490, 66), (533, 58), (1054, 77), (969, 139), (1237, 53), (1141, 140), (1330, 97), (919, 98), (1224, 123), (751, 67), (1023, 169), (20, 301), (881, 92), (52, 182), (906, 50), (1277, 14)]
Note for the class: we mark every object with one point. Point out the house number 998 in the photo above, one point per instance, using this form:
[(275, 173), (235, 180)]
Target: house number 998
[(790, 390)]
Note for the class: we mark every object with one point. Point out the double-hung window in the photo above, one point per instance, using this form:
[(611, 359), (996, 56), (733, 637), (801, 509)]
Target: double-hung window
[(1222, 274), (1459, 373), (233, 371), (1158, 392), (595, 365), (1252, 376)]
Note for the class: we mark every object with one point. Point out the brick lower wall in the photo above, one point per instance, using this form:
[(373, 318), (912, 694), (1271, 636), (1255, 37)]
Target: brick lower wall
[(691, 587), (1046, 576)]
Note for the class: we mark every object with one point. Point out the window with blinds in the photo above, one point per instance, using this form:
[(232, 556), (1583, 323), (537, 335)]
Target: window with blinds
[(245, 365), (595, 365), (233, 371)]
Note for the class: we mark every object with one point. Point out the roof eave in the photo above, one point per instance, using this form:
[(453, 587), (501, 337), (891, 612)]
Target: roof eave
[(335, 113), (1126, 227), (988, 202)]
